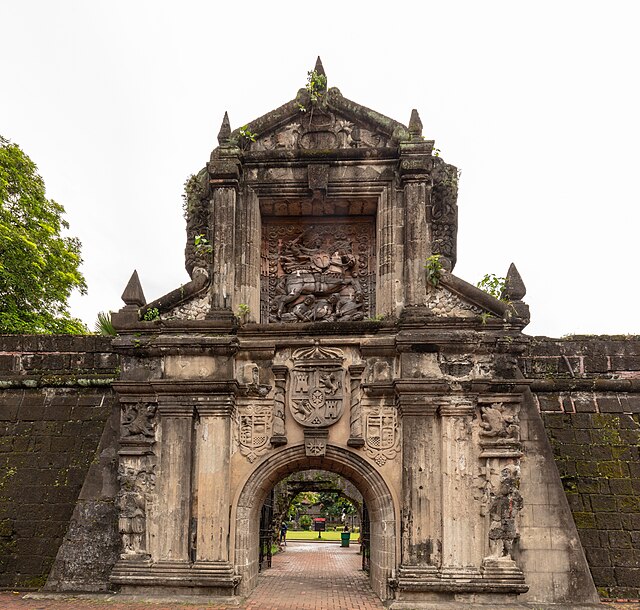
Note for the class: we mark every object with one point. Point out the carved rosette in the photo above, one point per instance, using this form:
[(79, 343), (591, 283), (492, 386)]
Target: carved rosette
[(255, 423), (501, 499), (381, 438), (317, 392)]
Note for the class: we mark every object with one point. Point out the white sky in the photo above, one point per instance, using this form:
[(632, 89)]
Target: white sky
[(537, 103)]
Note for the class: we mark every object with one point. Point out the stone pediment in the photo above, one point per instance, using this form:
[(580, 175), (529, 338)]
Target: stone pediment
[(324, 128), (319, 120)]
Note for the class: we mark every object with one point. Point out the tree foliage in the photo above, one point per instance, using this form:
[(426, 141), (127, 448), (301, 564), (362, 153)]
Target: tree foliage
[(39, 268)]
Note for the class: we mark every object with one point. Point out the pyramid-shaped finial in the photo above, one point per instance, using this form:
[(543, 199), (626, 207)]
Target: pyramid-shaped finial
[(133, 295), (225, 130), (319, 68), (514, 288), (415, 124)]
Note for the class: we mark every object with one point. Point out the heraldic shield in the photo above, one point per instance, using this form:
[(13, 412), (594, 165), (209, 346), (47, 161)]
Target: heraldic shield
[(316, 397)]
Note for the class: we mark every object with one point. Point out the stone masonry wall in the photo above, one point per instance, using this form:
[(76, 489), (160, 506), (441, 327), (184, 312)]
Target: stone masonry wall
[(588, 392), (55, 398), (56, 402)]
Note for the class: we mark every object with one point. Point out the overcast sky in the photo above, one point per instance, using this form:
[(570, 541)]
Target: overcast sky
[(537, 103)]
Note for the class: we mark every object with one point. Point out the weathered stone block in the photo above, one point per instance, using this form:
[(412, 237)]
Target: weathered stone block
[(628, 577)]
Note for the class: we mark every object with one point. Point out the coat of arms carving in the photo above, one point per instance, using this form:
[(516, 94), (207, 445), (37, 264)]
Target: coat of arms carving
[(254, 422), (317, 391), (381, 433)]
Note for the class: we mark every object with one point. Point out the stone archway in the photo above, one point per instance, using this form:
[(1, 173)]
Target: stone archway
[(382, 510)]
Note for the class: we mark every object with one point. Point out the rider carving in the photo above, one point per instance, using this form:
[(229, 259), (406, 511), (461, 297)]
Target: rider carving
[(318, 279)]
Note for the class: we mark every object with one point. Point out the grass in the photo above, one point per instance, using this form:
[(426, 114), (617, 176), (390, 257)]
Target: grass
[(311, 535)]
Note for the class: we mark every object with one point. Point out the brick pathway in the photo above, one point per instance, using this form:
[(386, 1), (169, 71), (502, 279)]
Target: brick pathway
[(307, 576)]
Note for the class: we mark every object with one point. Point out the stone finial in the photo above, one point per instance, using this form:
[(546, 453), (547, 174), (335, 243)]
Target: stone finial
[(514, 288), (225, 130), (319, 68), (133, 295), (415, 124)]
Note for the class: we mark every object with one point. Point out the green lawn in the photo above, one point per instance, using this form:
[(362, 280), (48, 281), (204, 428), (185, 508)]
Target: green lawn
[(311, 535)]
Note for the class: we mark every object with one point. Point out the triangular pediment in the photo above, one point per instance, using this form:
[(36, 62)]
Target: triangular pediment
[(325, 122)]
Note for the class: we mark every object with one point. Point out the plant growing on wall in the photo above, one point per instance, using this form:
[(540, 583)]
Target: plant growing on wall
[(434, 269), (493, 285)]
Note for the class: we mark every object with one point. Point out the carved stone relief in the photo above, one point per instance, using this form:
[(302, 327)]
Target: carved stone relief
[(137, 421), (317, 391), (381, 436), (255, 423), (443, 302), (504, 505), (137, 481), (320, 129), (320, 272), (500, 424)]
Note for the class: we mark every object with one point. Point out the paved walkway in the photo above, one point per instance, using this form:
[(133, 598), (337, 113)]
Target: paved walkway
[(308, 576)]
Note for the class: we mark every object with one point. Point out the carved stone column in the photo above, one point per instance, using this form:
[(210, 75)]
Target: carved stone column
[(460, 525), (174, 481), (223, 176), (279, 435), (415, 163), (355, 413), (213, 447), (416, 242)]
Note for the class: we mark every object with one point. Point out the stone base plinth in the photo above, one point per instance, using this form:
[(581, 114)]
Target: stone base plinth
[(212, 578), (493, 584)]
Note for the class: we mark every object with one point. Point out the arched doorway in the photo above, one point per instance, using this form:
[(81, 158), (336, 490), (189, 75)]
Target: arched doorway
[(376, 493)]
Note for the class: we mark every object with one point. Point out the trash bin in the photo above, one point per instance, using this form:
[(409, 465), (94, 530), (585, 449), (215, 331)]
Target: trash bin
[(345, 536)]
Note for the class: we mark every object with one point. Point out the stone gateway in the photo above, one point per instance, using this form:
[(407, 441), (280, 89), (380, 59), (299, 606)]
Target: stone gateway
[(323, 328)]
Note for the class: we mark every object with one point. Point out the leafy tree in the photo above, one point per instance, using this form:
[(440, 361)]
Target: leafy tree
[(38, 266)]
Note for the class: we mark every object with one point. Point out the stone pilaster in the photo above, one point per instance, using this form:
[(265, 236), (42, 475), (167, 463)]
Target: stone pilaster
[(213, 447), (460, 525), (174, 482), (421, 533)]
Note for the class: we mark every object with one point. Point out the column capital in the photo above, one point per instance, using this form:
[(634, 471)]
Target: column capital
[(172, 409), (455, 406)]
